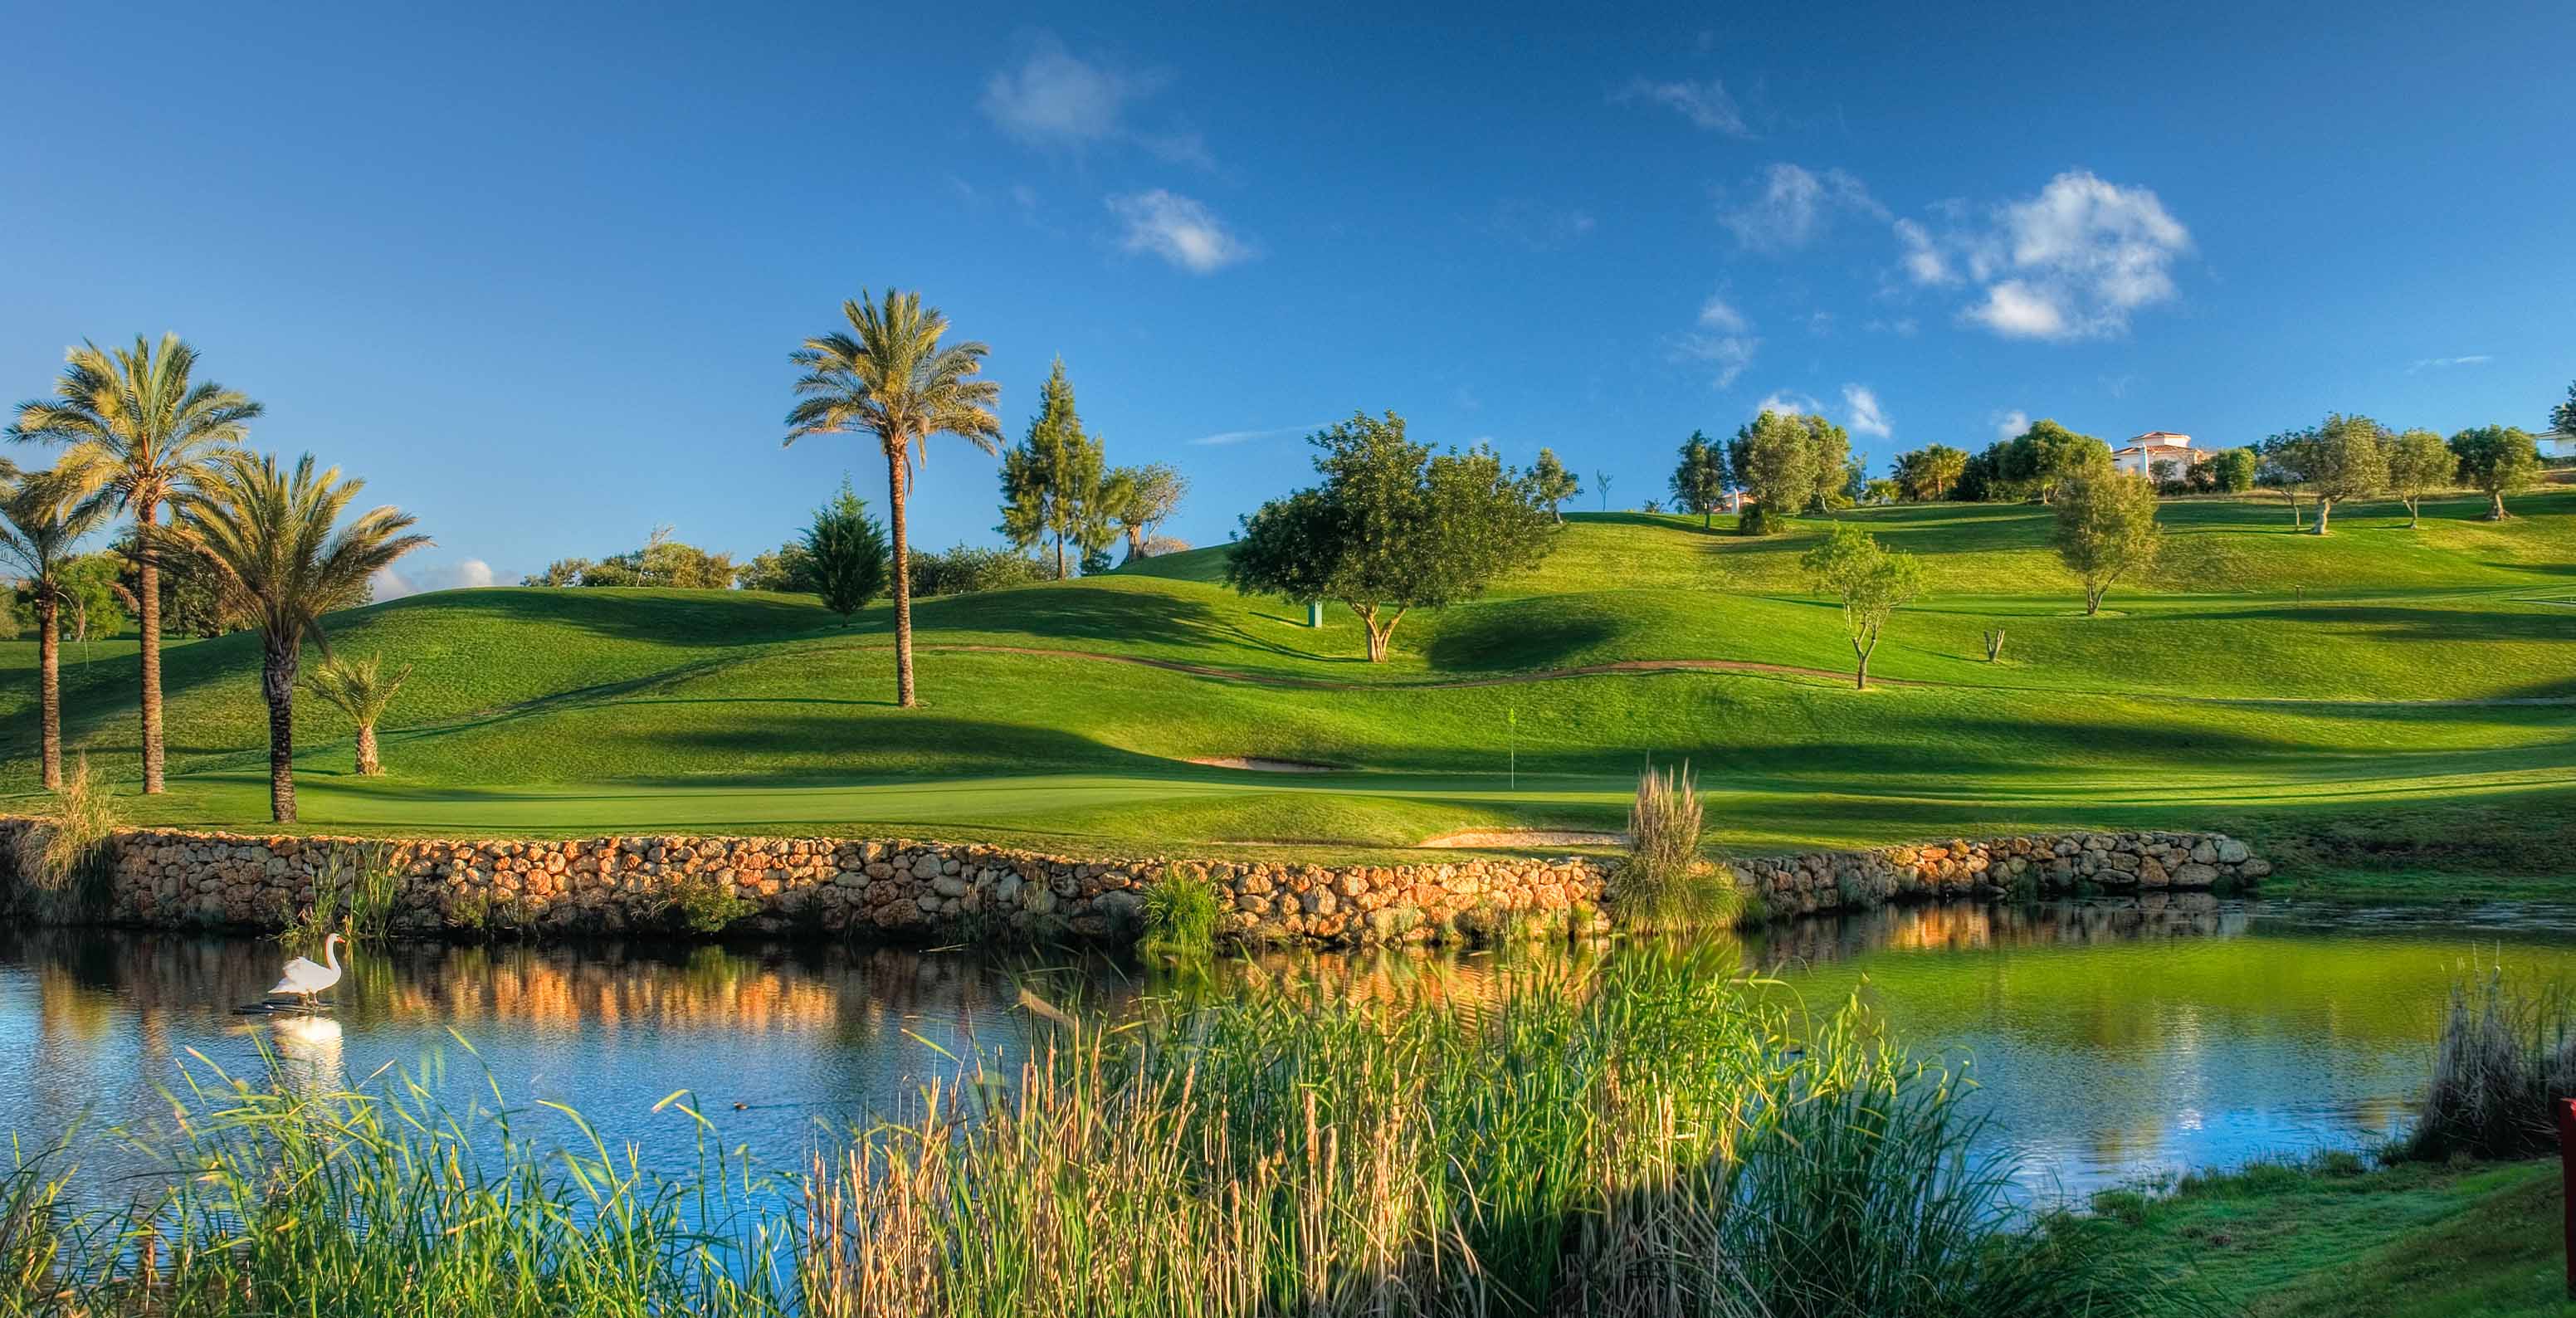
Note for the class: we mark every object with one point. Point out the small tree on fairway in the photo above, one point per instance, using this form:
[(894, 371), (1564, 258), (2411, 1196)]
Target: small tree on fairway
[(1601, 483), (2232, 470), (1699, 480), (1140, 500), (42, 521), (1391, 528), (361, 689), (845, 550), (1871, 582), (2418, 464), (2106, 528), (1053, 482), (1552, 483), (274, 541), (2498, 460), (2346, 458)]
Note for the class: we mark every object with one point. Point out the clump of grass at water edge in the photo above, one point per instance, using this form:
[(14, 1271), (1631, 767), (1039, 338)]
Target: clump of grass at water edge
[(2505, 1054), (1633, 1135), (1181, 916), (1665, 885), (64, 860)]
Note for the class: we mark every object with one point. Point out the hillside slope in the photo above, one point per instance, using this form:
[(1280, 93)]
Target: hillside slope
[(2378, 687)]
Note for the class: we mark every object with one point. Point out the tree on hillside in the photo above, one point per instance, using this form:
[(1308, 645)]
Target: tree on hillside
[(1392, 528), (2346, 458), (93, 604), (892, 377), (139, 432), (1929, 472), (567, 572), (1982, 480), (191, 603), (2562, 418), (847, 551), (1785, 463), (2039, 458), (2231, 471), (361, 689), (1601, 485), (1871, 583), (1699, 479), (275, 542), (1883, 491), (2283, 466), (2498, 460), (1140, 500), (42, 522), (1053, 482), (1552, 483), (788, 570), (2418, 464), (2106, 529)]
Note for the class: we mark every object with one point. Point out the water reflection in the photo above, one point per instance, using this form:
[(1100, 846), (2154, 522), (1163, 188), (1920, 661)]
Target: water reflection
[(2109, 1038)]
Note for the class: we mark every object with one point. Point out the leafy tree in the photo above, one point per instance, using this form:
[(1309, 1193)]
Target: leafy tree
[(846, 549), (2047, 453), (1053, 482), (1872, 583), (787, 570), (1931, 471), (1552, 483), (139, 431), (1140, 500), (2562, 418), (191, 601), (967, 569), (1785, 462), (2419, 463), (1982, 479), (1392, 528), (2106, 529), (1699, 480), (361, 689), (891, 377), (1882, 492), (2283, 466), (2231, 471), (561, 572), (92, 602), (275, 542), (39, 523), (2498, 460), (1601, 483), (2346, 458)]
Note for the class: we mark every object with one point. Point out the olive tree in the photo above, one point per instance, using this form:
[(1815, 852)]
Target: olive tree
[(2106, 529), (2346, 458), (1552, 483), (1393, 527), (1785, 463), (1871, 583), (2418, 464), (2498, 460)]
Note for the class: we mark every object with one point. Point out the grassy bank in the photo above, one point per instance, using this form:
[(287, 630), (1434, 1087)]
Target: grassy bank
[(2380, 706), (1638, 1137)]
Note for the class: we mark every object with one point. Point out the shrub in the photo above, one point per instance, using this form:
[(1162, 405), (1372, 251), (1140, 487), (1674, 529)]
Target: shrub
[(704, 906), (967, 569), (65, 860), (1181, 916), (1665, 886), (353, 895), (2503, 1056)]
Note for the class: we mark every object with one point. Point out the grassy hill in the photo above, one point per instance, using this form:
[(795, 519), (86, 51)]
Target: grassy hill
[(2379, 698)]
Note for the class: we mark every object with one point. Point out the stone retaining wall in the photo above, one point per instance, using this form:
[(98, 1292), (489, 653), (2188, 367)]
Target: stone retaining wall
[(902, 889)]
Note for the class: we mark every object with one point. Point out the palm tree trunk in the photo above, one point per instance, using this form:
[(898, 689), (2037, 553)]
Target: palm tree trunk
[(903, 697), (277, 682), (147, 571), (368, 765), (49, 649)]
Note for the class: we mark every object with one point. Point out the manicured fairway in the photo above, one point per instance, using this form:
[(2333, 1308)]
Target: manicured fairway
[(2392, 699)]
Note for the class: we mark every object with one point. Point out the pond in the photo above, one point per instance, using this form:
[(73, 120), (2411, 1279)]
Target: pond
[(2109, 1040)]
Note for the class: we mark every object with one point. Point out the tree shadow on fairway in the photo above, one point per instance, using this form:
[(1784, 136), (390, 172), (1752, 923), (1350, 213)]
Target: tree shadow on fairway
[(1070, 611), (1521, 635), (786, 737)]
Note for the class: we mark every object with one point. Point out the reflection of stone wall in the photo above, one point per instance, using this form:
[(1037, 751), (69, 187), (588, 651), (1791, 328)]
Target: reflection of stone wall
[(901, 889)]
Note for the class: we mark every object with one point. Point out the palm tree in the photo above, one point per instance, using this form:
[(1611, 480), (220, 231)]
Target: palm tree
[(891, 377), (39, 522), (361, 689), (139, 433), (268, 538)]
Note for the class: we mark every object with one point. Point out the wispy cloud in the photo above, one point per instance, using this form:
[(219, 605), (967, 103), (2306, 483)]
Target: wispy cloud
[(1724, 340), (2072, 262), (1794, 205), (2011, 423), (1249, 436), (1180, 230), (2445, 363), (1056, 100), (392, 585), (1705, 104), (1867, 417)]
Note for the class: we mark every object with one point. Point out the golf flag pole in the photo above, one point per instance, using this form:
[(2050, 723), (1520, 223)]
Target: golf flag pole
[(1512, 743)]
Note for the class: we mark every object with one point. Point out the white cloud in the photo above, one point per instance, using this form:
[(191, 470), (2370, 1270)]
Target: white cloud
[(1867, 417), (1057, 99), (1705, 104), (2010, 424), (1178, 229), (392, 585), (1223, 437), (2071, 262), (1789, 402), (1796, 205), (1724, 340), (2445, 363)]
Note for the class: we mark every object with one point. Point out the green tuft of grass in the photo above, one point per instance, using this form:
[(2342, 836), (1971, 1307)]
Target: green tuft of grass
[(1182, 917)]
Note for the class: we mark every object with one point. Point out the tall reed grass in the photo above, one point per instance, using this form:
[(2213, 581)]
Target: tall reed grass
[(1665, 886), (2505, 1053), (64, 859), (1638, 1137)]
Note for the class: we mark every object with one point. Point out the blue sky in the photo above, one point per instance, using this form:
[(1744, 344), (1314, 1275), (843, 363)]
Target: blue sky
[(535, 272)]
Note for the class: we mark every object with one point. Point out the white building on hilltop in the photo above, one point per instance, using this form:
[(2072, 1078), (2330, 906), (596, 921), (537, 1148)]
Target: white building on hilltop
[(2142, 453)]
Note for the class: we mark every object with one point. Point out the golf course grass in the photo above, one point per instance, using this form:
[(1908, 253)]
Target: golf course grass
[(2385, 709)]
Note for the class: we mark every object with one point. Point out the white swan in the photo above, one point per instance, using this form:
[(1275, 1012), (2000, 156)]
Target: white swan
[(305, 979)]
